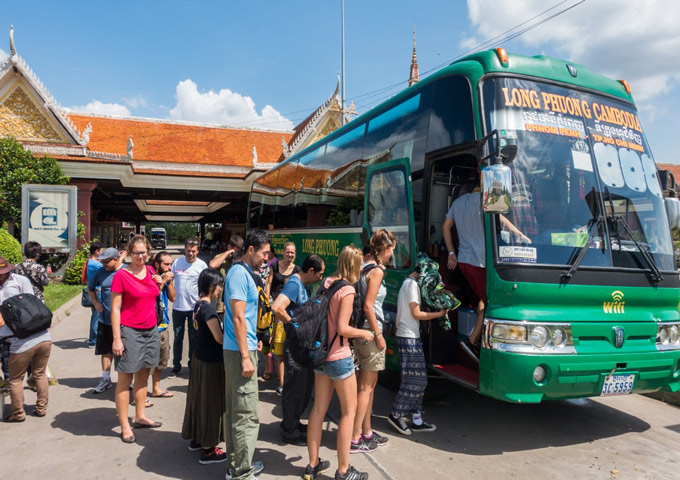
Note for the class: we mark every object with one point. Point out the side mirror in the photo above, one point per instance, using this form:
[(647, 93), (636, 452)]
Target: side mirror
[(667, 180), (673, 211), (496, 186)]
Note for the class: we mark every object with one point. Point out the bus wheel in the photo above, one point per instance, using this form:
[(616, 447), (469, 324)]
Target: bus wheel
[(390, 379)]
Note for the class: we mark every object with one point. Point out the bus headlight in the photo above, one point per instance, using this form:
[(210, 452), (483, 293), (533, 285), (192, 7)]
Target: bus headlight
[(539, 337), (559, 337), (529, 337), (511, 333), (668, 336)]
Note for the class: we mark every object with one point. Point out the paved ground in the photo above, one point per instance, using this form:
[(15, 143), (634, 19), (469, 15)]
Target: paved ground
[(632, 437)]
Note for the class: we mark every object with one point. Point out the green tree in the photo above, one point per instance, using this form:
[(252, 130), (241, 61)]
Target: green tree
[(9, 247), (19, 166)]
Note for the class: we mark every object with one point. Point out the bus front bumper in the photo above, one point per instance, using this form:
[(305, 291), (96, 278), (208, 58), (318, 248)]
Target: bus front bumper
[(512, 376)]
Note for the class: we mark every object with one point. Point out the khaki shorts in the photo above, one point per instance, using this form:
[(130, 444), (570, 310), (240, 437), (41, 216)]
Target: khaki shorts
[(165, 349), (369, 357)]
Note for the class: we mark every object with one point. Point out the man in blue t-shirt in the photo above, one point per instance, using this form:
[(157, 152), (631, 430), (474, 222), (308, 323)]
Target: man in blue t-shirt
[(92, 265), (299, 381), (242, 422), (99, 288)]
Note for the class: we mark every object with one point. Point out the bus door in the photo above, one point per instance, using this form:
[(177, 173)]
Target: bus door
[(389, 205), (447, 175)]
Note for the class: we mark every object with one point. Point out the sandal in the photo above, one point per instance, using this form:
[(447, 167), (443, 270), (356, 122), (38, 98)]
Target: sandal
[(147, 404), (130, 439), (266, 376), (164, 394)]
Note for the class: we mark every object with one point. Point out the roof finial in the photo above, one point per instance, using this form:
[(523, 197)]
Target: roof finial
[(130, 146), (12, 49), (414, 77)]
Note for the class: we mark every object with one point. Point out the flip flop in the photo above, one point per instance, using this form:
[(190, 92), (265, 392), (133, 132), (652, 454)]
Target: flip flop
[(147, 404), (164, 394), (130, 439), (147, 425)]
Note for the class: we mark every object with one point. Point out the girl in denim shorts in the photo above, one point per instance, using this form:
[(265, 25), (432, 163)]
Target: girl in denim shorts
[(337, 373)]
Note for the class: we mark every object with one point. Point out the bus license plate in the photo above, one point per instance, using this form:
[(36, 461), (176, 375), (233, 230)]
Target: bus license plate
[(617, 385)]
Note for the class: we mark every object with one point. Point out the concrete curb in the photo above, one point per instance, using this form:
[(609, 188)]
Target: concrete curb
[(65, 310)]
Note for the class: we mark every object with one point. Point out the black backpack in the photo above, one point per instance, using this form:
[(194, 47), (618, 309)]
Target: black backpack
[(358, 317), (25, 315), (307, 331)]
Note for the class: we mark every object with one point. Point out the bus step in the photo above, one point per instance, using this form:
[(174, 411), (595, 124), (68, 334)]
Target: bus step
[(458, 373)]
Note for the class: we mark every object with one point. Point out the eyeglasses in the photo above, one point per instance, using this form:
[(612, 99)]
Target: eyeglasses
[(139, 254), (108, 260), (192, 242)]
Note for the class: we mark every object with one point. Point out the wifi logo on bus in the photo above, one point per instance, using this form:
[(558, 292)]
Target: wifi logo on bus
[(617, 305)]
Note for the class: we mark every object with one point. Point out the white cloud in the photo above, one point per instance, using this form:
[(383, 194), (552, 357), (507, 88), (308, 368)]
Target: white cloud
[(97, 107), (136, 101), (637, 40), (224, 107)]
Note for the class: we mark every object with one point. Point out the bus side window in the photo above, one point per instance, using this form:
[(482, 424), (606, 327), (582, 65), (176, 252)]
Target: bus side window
[(388, 208)]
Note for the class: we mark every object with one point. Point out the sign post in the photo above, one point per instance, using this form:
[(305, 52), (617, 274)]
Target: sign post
[(49, 216)]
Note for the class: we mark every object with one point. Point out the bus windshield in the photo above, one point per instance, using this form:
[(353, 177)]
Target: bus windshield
[(581, 158)]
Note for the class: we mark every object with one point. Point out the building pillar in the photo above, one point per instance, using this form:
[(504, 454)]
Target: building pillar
[(85, 189), (202, 223)]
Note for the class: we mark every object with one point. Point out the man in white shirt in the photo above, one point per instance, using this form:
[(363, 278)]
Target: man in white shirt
[(186, 271)]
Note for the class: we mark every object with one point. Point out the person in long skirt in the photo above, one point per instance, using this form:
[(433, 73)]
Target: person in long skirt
[(204, 411)]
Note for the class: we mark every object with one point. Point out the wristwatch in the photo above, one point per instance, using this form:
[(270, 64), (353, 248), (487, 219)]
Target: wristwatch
[(452, 253)]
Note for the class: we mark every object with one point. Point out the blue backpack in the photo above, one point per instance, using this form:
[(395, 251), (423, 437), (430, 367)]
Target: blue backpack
[(307, 332)]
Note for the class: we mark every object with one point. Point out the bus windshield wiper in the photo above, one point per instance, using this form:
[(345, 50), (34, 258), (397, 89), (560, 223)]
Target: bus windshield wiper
[(644, 252), (595, 224), (654, 271)]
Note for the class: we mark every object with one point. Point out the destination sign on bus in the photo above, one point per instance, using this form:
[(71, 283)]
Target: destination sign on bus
[(555, 114)]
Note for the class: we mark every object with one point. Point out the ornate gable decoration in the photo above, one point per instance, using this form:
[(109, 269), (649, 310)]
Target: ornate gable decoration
[(324, 120), (21, 118), (33, 113)]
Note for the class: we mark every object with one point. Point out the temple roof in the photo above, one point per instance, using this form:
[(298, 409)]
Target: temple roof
[(182, 142)]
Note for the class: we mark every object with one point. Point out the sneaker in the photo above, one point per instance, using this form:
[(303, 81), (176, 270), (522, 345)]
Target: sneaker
[(279, 390), (257, 465), (363, 446), (216, 455), (351, 474), (377, 438), (423, 427), (399, 424), (312, 472), (103, 385), (193, 446), (174, 372), (470, 349)]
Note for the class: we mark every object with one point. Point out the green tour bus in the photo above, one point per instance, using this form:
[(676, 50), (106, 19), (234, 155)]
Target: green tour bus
[(590, 306)]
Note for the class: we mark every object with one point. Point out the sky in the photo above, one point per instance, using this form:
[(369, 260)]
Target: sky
[(269, 64)]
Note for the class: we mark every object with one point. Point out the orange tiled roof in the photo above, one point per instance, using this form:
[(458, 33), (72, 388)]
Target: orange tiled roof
[(165, 141)]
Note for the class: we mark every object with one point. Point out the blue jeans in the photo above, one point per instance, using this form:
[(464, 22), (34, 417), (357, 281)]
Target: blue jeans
[(94, 322), (179, 318)]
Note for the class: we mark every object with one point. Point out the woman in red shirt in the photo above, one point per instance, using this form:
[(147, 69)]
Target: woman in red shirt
[(136, 342)]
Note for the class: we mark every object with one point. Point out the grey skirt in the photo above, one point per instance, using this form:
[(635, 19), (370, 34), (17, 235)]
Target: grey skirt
[(141, 349), (204, 411)]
